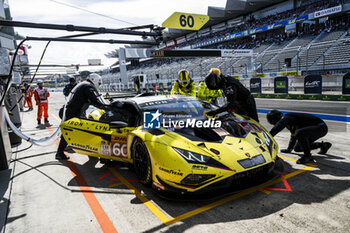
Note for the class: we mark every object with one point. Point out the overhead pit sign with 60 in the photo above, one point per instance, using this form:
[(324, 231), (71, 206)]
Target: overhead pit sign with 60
[(186, 21)]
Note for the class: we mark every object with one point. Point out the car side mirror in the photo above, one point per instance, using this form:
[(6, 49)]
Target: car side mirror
[(117, 124)]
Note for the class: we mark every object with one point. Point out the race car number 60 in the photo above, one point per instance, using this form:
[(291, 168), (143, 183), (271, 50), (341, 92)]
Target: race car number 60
[(119, 150)]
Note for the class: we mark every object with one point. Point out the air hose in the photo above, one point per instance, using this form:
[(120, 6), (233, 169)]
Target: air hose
[(40, 142)]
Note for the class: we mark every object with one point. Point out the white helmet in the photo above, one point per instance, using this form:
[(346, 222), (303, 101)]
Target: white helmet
[(95, 79)]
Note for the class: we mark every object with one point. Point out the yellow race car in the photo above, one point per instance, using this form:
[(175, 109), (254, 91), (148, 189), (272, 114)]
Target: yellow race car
[(174, 146)]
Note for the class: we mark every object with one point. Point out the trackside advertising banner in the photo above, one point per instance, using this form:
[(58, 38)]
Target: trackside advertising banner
[(255, 85), (281, 85), (328, 11), (235, 35), (313, 84), (236, 52), (278, 25), (251, 31), (346, 84)]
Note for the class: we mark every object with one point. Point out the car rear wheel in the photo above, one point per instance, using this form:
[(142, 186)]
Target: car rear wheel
[(142, 161)]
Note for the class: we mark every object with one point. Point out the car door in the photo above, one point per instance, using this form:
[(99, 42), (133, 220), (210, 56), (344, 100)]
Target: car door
[(96, 139)]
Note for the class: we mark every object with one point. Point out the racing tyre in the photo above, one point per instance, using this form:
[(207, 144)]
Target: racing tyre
[(142, 161)]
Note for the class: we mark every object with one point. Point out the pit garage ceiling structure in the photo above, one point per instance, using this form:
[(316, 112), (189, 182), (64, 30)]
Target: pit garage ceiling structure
[(233, 9)]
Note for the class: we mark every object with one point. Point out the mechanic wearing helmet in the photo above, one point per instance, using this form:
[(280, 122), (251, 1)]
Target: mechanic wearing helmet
[(305, 130), (41, 94), (84, 94), (184, 85), (69, 87), (204, 93), (238, 97)]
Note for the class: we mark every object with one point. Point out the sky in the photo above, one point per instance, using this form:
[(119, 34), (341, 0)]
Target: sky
[(132, 12)]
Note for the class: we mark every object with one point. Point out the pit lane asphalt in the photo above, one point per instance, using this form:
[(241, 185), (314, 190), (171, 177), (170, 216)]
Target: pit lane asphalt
[(44, 195)]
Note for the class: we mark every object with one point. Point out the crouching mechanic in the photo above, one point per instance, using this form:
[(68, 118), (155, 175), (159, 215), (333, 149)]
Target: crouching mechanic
[(84, 94), (305, 130), (238, 97), (184, 85)]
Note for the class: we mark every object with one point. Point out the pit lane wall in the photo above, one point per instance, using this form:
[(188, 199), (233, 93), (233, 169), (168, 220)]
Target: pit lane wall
[(279, 85), (304, 97), (306, 87)]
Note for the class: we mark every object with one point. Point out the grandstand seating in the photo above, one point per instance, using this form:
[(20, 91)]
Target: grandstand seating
[(320, 46), (311, 54), (339, 54), (289, 51), (328, 48)]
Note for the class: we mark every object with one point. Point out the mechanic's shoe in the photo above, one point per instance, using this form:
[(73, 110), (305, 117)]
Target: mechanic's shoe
[(39, 122), (305, 159), (325, 147), (31, 109), (61, 156), (46, 120)]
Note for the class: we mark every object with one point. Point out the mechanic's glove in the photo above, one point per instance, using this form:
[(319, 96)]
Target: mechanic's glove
[(286, 150), (212, 113), (37, 103)]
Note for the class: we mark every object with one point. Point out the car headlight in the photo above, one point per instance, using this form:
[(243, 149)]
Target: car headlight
[(268, 142), (192, 157)]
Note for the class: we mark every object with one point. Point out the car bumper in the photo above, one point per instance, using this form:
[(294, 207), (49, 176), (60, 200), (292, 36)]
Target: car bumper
[(232, 184)]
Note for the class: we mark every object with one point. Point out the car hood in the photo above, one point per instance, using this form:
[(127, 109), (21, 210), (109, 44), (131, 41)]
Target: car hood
[(227, 151)]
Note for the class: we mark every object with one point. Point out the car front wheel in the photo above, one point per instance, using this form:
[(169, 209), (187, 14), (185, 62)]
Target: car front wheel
[(142, 161)]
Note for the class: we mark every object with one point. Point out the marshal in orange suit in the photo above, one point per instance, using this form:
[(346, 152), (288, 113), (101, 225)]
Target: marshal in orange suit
[(41, 94), (28, 94)]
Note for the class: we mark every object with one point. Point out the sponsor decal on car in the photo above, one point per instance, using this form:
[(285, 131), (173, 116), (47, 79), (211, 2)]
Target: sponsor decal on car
[(172, 172), (75, 123), (102, 127), (85, 147), (118, 138), (199, 167), (106, 149)]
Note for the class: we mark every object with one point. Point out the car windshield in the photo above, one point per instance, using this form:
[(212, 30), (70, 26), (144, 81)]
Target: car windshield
[(179, 108)]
